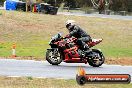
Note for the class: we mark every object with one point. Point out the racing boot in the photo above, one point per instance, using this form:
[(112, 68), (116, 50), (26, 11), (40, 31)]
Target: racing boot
[(81, 54), (87, 50)]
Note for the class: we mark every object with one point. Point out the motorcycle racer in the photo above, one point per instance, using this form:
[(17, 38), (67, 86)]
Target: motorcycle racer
[(79, 33), (67, 50)]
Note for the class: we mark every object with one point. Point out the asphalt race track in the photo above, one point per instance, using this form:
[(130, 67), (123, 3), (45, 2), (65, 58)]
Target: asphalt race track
[(98, 15), (42, 69)]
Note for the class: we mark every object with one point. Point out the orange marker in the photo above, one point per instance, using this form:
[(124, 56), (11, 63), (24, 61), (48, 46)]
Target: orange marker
[(14, 50)]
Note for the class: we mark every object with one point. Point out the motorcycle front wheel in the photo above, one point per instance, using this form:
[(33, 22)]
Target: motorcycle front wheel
[(53, 57)]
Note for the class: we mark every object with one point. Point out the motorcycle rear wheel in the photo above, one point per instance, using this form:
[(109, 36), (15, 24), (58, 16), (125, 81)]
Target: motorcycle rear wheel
[(97, 60), (53, 59)]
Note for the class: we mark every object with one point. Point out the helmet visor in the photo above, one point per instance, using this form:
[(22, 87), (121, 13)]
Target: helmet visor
[(67, 26)]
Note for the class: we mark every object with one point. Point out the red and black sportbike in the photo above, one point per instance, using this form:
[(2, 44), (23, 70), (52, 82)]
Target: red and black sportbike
[(66, 49)]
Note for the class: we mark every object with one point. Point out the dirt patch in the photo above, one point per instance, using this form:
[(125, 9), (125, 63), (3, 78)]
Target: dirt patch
[(120, 61)]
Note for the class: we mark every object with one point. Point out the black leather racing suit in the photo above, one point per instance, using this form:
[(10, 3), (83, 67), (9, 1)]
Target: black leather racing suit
[(81, 35)]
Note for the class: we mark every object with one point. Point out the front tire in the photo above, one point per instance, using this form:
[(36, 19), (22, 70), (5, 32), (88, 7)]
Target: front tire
[(97, 58), (52, 59)]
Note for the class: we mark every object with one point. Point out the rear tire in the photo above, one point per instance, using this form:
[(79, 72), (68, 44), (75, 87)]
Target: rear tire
[(53, 60), (98, 60)]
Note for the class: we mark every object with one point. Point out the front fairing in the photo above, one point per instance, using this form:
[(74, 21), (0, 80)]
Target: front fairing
[(55, 38)]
